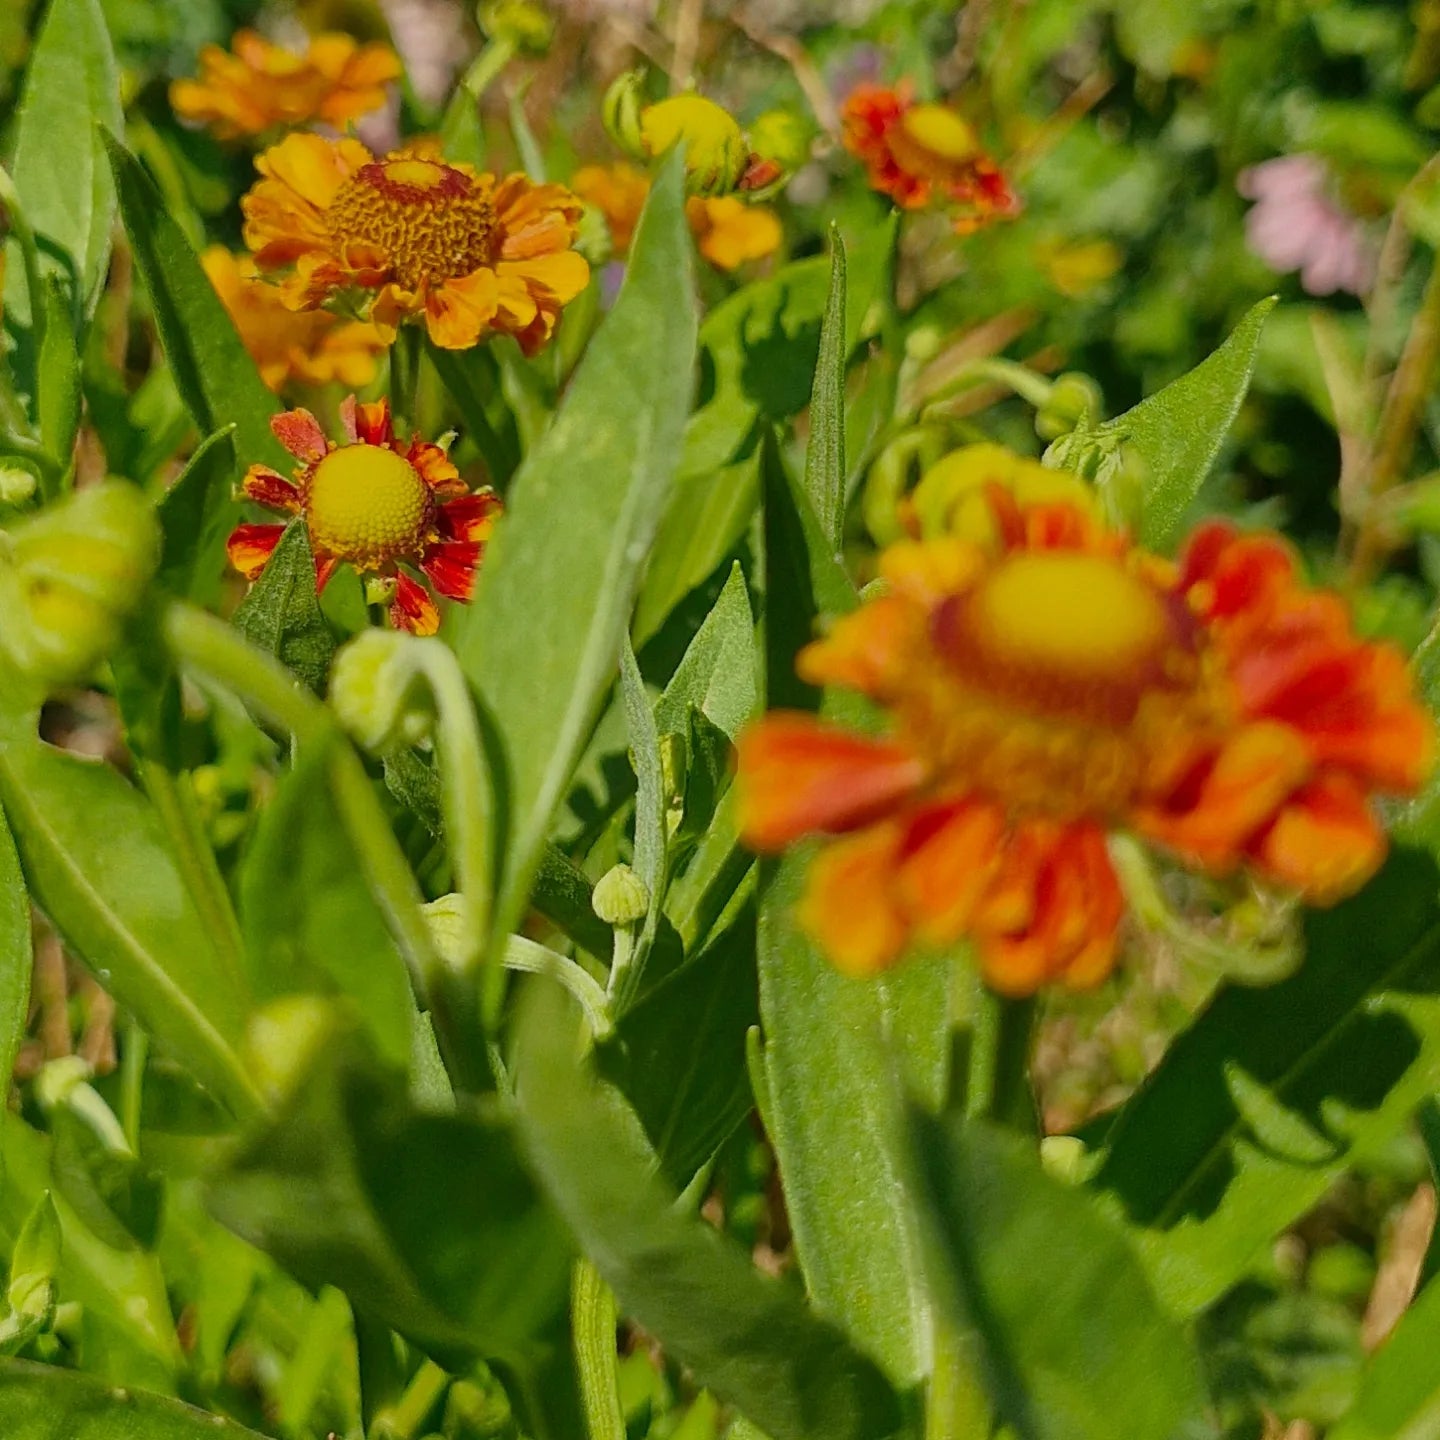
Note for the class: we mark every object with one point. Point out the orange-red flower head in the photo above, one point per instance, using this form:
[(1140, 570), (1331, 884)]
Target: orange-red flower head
[(310, 347), (257, 86), (922, 155), (379, 504), (1046, 682), (470, 254)]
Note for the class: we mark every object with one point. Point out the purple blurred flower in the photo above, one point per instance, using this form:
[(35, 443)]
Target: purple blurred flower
[(1295, 224)]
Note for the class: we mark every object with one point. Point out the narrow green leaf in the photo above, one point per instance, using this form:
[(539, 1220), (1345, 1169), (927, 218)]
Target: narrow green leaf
[(719, 671), (71, 86), (215, 375), (1262, 1104), (197, 514), (825, 453), (1400, 1393), (473, 380), (1179, 430), (119, 1200), (58, 375), (427, 1221), (750, 1339), (582, 512), (281, 614), (15, 951), (1071, 1346), (123, 907), (310, 922), (39, 1402)]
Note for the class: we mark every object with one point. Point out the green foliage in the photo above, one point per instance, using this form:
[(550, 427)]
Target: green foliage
[(15, 950), (281, 612), (197, 513)]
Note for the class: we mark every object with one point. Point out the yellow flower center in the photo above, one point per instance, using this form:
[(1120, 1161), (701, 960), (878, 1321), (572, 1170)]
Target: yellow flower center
[(935, 142), (431, 221), (1068, 634), (367, 505)]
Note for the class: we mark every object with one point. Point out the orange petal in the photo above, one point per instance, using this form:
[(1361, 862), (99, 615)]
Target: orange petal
[(250, 547), (450, 567), (265, 487), (300, 433), (850, 908), (470, 517), (458, 312), (1325, 843), (412, 608), (436, 469), (798, 775), (867, 649), (951, 852)]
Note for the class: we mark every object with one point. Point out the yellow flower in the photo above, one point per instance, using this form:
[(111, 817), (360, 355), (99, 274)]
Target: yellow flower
[(728, 230), (1077, 269), (309, 347), (471, 254), (716, 154), (261, 86)]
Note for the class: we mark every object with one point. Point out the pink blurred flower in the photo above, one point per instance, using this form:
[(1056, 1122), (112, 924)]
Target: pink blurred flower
[(430, 36), (1296, 224)]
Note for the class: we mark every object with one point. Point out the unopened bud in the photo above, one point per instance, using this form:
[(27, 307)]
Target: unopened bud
[(1074, 398), (378, 692), (33, 1264), (17, 485), (716, 155), (520, 23), (621, 897), (72, 576), (782, 137), (620, 113), (446, 920)]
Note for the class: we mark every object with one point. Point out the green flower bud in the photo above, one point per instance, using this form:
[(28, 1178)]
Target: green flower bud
[(781, 136), (1066, 1158), (620, 113), (445, 918), (526, 26), (17, 485), (621, 897), (72, 576), (31, 1292), (378, 692), (593, 238), (716, 155), (1074, 398)]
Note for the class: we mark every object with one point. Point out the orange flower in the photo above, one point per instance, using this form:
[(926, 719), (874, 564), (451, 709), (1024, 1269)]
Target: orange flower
[(309, 348), (262, 86), (473, 255), (923, 155), (728, 231), (374, 503), (1046, 681)]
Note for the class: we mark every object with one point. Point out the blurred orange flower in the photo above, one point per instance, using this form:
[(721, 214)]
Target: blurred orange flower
[(305, 348), (923, 155), (258, 86), (728, 231), (376, 503), (1047, 681), (470, 254)]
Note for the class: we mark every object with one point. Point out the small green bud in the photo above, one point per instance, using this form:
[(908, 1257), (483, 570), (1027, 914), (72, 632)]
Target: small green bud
[(59, 1079), (446, 920), (781, 136), (621, 897), (1066, 1158), (1074, 397), (17, 485), (593, 238), (72, 576), (620, 113), (716, 155), (378, 692), (31, 1294), (520, 23)]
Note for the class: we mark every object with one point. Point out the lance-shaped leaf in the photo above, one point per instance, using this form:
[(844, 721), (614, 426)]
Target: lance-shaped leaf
[(282, 614), (15, 951)]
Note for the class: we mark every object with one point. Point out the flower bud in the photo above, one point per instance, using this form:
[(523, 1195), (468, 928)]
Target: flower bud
[(520, 23), (17, 485), (378, 692), (782, 137), (1074, 398), (593, 237), (902, 461), (621, 897), (716, 155), (446, 919), (620, 113), (72, 577), (31, 1294)]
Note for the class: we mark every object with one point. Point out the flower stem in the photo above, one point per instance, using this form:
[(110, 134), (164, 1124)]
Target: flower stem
[(536, 959), (998, 1084), (592, 1323), (405, 353)]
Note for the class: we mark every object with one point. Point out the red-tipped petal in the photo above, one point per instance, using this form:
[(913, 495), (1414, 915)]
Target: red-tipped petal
[(300, 433), (470, 517), (798, 775), (325, 567), (450, 567), (1325, 843), (413, 609), (272, 490), (435, 468), (250, 547), (374, 424)]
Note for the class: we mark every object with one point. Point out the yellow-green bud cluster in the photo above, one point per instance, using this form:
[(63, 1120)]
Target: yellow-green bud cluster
[(521, 23), (621, 897), (72, 576), (379, 693)]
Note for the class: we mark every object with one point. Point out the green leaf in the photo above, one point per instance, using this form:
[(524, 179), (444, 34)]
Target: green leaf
[(1267, 1099), (750, 1339), (58, 375), (97, 862), (1399, 1395), (582, 512), (16, 956), (281, 614), (72, 86), (427, 1221), (1071, 1346), (216, 376), (310, 922), (473, 380), (1179, 430), (39, 1402), (197, 514), (678, 1055), (825, 453), (718, 673), (119, 1200)]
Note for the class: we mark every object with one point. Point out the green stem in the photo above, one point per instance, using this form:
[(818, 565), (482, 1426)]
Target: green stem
[(403, 1420), (24, 235), (1026, 383), (405, 353), (592, 1323), (955, 1404), (535, 959), (998, 1083), (486, 67), (214, 649), (132, 1082)]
